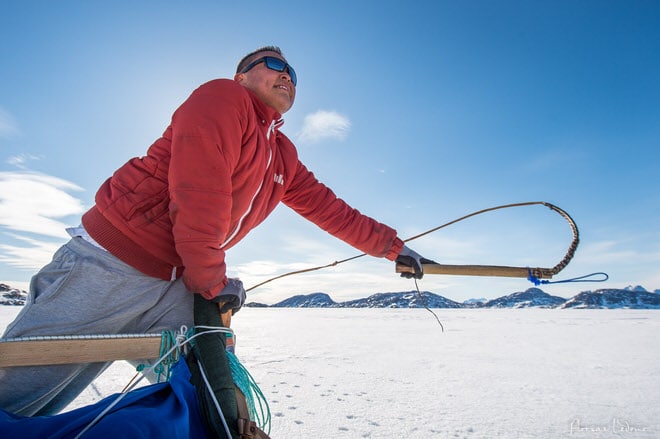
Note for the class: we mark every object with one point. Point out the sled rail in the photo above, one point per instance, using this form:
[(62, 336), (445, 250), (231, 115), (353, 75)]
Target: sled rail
[(40, 351)]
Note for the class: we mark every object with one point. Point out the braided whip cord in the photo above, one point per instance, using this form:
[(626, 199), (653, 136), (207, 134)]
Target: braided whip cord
[(540, 273), (573, 247)]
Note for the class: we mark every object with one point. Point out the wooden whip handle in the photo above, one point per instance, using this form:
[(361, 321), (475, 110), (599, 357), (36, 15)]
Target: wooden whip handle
[(477, 270), (226, 318)]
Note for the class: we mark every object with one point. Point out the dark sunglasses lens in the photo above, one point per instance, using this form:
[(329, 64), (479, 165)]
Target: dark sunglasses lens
[(292, 75), (280, 66), (275, 63)]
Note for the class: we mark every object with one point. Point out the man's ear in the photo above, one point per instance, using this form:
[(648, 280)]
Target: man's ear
[(239, 77)]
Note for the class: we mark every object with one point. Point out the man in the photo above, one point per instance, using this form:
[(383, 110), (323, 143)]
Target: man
[(162, 223)]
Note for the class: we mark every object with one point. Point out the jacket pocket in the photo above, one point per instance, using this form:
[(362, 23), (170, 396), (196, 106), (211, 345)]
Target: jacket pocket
[(148, 210)]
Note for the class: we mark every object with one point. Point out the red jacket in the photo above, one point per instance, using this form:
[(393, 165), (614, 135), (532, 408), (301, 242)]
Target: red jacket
[(219, 170)]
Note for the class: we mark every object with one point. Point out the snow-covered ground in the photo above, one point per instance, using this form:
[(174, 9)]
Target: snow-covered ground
[(386, 373)]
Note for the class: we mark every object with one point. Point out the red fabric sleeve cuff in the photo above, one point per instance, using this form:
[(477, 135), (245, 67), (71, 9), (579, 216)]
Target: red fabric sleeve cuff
[(396, 248)]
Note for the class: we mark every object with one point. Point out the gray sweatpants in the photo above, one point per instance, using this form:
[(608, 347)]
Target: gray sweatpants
[(85, 290)]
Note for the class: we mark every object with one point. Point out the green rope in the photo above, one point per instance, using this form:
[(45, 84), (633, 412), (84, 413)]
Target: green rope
[(163, 370), (256, 400), (254, 397)]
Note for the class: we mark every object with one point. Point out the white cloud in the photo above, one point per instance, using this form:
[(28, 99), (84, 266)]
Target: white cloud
[(31, 202), (610, 252), (324, 125), (8, 126), (21, 160), (31, 257)]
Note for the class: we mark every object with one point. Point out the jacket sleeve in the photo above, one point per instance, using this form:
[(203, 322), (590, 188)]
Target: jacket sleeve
[(318, 203), (206, 138)]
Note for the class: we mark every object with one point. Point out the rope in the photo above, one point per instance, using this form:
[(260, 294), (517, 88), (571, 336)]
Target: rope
[(306, 270), (426, 307), (215, 400), (253, 394), (257, 403), (584, 278), (163, 369), (170, 341)]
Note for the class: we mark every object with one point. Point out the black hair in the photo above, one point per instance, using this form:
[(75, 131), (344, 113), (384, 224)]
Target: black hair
[(244, 61)]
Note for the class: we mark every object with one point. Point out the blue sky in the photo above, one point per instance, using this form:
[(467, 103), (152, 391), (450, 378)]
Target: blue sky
[(416, 113)]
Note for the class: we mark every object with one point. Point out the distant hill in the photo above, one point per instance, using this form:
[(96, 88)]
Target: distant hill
[(531, 298), (473, 303), (12, 296), (408, 299), (613, 298), (314, 300)]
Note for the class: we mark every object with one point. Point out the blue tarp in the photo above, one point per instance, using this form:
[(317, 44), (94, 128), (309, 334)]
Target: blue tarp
[(164, 410)]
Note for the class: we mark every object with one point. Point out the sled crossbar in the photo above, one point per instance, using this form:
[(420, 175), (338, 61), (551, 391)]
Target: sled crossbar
[(40, 351)]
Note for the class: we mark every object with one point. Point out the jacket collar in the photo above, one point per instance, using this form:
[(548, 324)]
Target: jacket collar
[(265, 112)]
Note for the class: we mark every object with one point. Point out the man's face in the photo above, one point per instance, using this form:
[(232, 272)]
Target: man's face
[(274, 88)]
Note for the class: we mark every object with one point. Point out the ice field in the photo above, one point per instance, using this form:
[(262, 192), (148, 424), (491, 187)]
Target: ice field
[(392, 373)]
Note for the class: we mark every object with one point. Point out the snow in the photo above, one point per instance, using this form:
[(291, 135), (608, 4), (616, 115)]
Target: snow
[(493, 373)]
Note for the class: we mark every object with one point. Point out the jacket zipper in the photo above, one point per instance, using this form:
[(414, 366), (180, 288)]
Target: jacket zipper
[(237, 229)]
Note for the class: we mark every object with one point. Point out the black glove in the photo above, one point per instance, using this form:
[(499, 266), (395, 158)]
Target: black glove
[(232, 296), (412, 259)]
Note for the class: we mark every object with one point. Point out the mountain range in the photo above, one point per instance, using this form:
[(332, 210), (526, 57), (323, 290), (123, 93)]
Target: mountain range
[(609, 298), (629, 298)]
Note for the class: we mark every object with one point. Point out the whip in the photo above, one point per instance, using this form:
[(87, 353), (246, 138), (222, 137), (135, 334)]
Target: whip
[(535, 274)]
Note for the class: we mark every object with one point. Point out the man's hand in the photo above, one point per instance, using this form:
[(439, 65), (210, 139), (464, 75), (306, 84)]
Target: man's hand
[(412, 259), (232, 296)]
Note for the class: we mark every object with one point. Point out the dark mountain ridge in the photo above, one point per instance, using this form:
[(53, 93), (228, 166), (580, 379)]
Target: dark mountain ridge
[(627, 298)]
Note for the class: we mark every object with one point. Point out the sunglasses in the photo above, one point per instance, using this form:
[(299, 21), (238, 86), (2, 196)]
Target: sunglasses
[(274, 64)]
